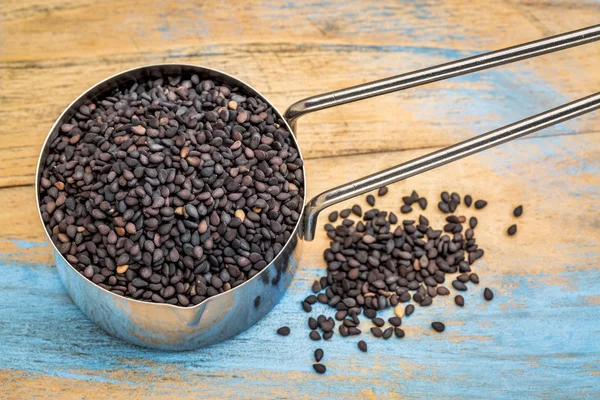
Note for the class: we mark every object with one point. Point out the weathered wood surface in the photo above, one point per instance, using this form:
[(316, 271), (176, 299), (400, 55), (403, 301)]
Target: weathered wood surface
[(538, 338)]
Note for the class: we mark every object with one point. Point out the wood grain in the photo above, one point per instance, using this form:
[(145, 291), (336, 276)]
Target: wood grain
[(537, 339), (315, 62)]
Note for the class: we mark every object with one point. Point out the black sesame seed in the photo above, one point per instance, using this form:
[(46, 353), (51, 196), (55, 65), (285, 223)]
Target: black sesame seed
[(414, 196), (442, 291), (488, 294), (316, 287), (438, 326), (468, 200), (362, 345), (426, 301), (283, 331), (472, 222), (479, 204), (319, 368), (459, 300), (443, 207), (318, 355), (377, 332), (512, 230), (353, 331), (388, 333), (517, 212), (458, 285), (333, 216)]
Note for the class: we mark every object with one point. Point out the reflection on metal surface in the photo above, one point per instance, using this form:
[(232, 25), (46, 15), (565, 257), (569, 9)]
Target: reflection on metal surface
[(441, 72), (443, 157), (168, 327)]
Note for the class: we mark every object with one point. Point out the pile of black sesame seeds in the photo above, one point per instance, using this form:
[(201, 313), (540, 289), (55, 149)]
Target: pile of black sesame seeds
[(373, 266)]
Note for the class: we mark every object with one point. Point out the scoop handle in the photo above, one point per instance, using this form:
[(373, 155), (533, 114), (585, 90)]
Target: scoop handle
[(441, 72), (442, 157)]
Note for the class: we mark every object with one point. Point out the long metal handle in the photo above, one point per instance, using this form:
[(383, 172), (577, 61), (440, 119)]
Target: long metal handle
[(441, 72), (444, 156)]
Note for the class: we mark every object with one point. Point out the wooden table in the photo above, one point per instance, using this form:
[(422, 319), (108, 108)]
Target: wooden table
[(538, 338)]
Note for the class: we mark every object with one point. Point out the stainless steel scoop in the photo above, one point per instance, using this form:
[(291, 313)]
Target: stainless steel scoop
[(169, 327)]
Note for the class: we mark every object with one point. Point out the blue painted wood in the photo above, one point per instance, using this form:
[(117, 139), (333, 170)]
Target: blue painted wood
[(533, 339), (537, 339)]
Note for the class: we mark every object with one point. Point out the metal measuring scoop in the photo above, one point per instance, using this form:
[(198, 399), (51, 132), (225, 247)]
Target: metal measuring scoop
[(220, 317)]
